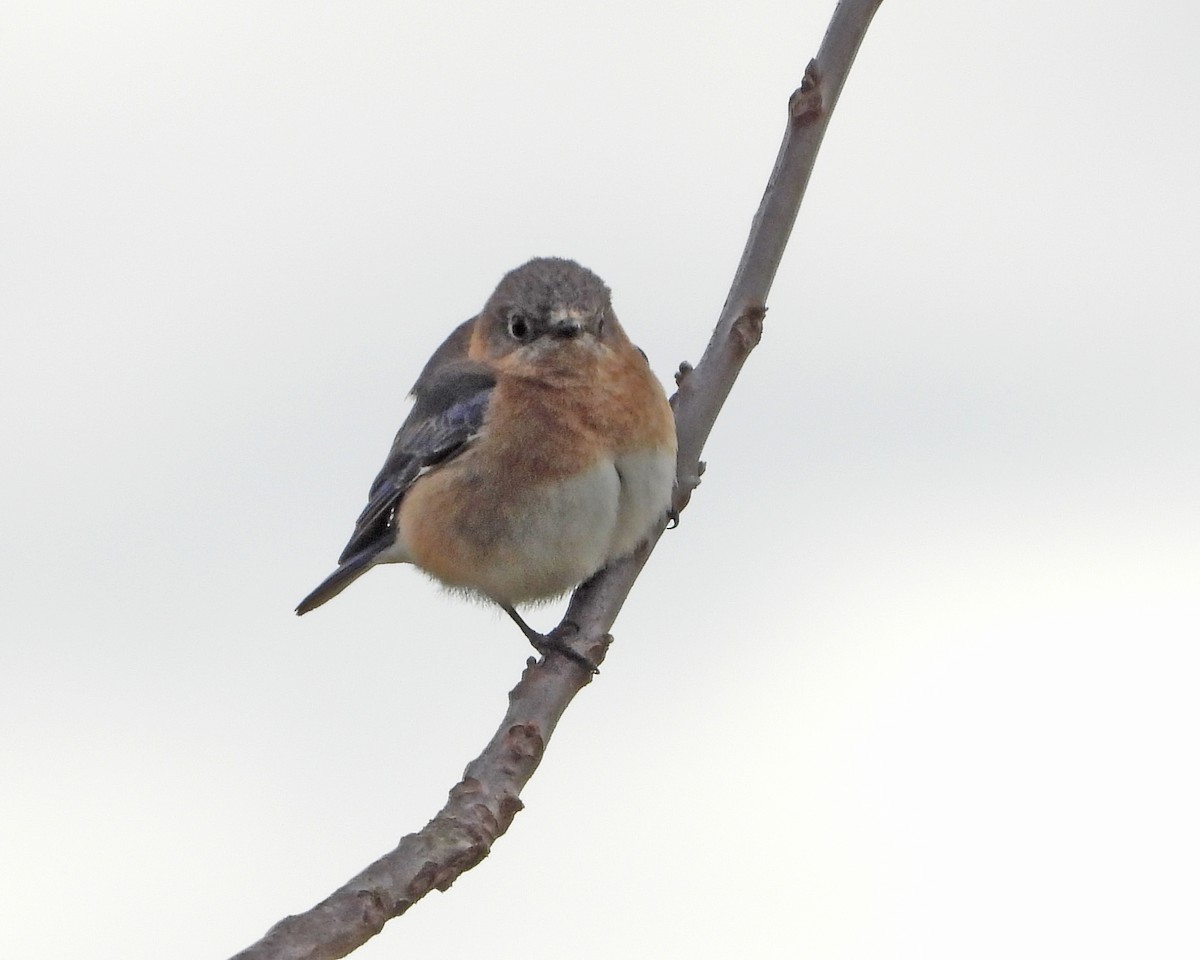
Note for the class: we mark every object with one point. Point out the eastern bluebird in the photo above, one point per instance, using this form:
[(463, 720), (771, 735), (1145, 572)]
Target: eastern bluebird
[(540, 447)]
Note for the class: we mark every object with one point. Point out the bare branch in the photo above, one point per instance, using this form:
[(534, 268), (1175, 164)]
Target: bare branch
[(482, 805), (703, 391), (480, 808)]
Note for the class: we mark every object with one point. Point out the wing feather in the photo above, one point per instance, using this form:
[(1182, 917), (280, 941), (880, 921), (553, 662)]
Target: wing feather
[(449, 413)]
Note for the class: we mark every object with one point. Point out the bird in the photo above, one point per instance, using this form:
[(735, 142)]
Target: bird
[(540, 447)]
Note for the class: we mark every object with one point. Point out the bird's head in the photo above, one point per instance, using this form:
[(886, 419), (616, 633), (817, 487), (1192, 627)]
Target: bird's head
[(546, 308)]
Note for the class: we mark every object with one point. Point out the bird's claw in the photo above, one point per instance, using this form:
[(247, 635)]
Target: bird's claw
[(556, 642)]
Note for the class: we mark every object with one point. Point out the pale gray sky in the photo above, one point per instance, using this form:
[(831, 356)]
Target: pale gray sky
[(915, 677)]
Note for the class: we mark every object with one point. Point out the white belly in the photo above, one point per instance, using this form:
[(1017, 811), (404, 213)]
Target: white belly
[(647, 480), (558, 537), (572, 530), (528, 543)]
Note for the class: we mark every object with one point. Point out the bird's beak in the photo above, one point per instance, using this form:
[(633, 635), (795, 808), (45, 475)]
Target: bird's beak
[(567, 327)]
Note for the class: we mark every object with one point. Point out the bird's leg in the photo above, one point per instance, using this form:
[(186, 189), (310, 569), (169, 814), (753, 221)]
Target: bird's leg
[(552, 642)]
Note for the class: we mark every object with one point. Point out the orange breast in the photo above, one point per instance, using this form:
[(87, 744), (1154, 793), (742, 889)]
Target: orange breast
[(523, 511)]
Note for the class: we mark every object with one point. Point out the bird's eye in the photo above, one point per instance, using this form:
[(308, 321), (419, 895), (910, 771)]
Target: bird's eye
[(519, 327)]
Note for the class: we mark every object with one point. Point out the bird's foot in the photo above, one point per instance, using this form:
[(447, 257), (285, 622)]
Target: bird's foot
[(556, 641)]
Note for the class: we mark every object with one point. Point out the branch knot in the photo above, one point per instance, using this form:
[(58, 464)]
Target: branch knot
[(806, 104)]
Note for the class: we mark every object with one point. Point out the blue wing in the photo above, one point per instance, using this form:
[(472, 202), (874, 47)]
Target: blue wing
[(450, 408), (448, 413)]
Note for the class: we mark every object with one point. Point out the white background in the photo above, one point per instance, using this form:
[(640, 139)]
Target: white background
[(916, 676)]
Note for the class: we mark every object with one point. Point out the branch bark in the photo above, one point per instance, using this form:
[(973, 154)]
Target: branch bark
[(482, 805)]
